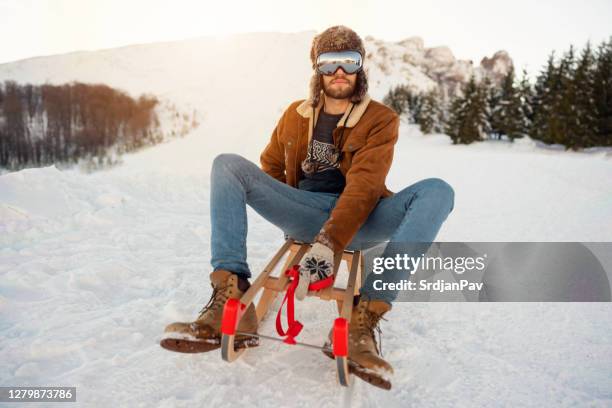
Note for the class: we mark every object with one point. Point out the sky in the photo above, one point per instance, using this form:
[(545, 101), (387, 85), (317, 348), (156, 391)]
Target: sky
[(528, 30)]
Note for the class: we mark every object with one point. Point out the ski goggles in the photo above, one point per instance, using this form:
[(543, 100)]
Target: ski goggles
[(329, 62)]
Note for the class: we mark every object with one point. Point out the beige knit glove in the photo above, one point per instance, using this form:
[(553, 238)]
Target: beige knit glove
[(316, 267)]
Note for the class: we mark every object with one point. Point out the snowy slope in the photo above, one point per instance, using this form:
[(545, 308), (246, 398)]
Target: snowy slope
[(253, 75), (93, 266)]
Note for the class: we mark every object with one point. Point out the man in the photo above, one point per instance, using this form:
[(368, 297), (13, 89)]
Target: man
[(322, 180)]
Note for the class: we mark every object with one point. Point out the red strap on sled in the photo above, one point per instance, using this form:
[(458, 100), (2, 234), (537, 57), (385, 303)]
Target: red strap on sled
[(294, 326)]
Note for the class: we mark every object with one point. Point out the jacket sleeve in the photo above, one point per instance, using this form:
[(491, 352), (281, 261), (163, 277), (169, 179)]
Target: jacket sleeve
[(273, 156), (365, 183)]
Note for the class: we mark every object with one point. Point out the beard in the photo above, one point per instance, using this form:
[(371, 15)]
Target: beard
[(333, 91)]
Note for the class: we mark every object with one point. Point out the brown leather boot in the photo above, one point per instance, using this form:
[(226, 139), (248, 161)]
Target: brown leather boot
[(364, 356), (204, 334)]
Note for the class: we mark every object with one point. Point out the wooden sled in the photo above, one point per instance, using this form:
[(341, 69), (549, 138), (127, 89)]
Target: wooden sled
[(272, 286)]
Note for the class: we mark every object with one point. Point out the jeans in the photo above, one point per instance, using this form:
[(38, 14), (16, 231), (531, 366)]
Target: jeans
[(414, 214)]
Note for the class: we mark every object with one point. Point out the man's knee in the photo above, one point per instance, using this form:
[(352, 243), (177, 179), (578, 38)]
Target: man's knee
[(441, 190), (228, 162)]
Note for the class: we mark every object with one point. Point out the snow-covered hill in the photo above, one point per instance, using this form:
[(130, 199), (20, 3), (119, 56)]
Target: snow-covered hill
[(254, 75), (92, 266), (180, 69)]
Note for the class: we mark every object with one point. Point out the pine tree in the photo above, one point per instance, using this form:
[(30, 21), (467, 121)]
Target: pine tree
[(572, 103), (456, 118), (467, 117), (444, 111), (543, 101), (415, 105), (563, 121), (398, 99), (403, 101), (493, 98), (429, 120), (526, 97), (510, 117), (603, 93), (584, 129)]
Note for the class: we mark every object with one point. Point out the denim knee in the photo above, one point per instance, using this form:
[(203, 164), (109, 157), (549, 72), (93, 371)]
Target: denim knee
[(227, 161), (441, 189), (226, 164)]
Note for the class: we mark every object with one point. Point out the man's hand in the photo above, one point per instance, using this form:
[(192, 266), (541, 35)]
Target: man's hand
[(316, 266)]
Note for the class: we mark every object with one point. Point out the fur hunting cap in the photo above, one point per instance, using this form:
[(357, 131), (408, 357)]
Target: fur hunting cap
[(336, 38)]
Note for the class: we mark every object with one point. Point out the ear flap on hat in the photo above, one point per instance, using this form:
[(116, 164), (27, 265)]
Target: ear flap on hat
[(315, 89), (361, 87)]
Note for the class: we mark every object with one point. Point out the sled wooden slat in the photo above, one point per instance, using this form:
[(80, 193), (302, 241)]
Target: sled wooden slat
[(347, 302), (271, 292), (250, 294)]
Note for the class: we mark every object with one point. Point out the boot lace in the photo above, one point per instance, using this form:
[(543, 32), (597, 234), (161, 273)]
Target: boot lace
[(218, 298), (370, 322), (373, 324)]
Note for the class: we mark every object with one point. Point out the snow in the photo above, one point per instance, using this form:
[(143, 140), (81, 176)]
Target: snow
[(93, 266)]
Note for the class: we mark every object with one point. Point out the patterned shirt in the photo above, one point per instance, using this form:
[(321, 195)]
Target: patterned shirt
[(327, 177)]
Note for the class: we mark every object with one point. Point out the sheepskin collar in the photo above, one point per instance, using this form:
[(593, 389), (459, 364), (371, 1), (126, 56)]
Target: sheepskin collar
[(305, 110)]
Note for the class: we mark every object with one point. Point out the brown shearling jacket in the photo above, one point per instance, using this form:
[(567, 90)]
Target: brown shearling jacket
[(367, 153)]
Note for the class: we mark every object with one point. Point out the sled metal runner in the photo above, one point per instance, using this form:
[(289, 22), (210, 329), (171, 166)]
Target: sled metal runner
[(272, 286), (297, 343)]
